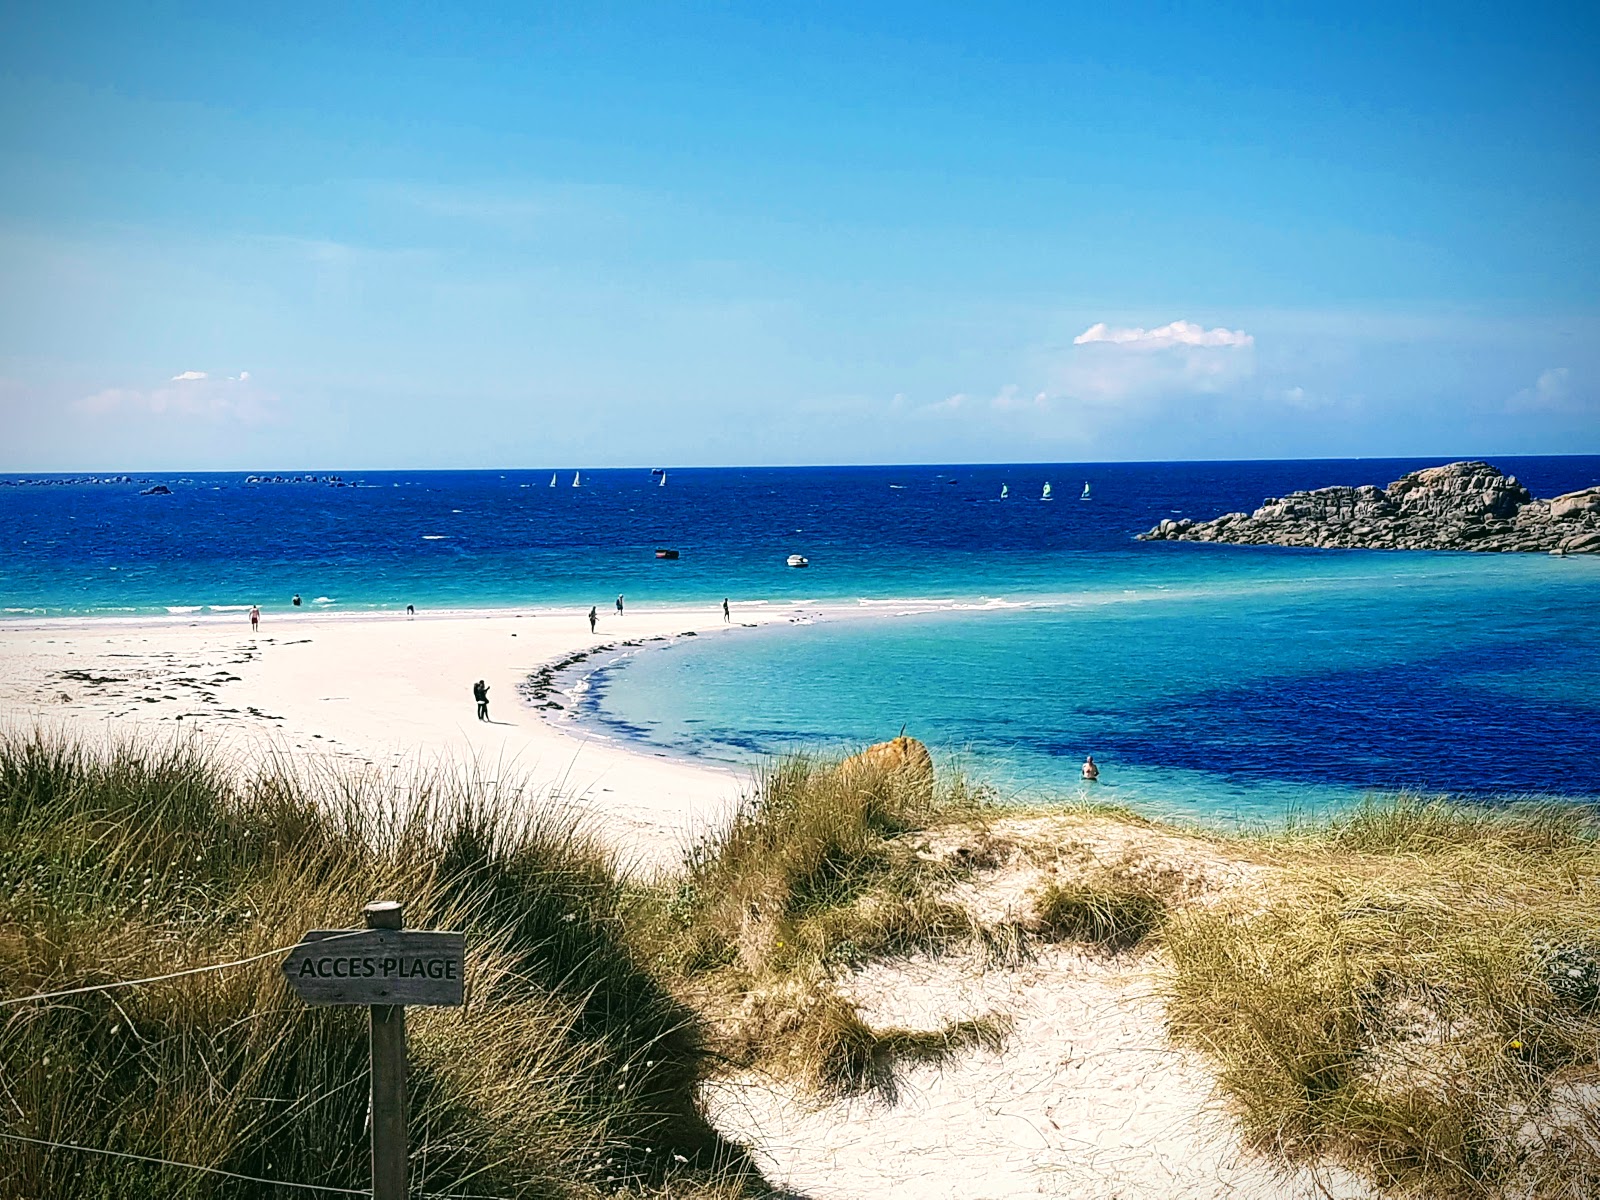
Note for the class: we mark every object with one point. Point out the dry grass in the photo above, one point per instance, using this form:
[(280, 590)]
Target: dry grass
[(818, 871), (570, 1073), (1416, 992)]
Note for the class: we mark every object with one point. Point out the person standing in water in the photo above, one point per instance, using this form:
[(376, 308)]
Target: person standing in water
[(255, 618), (1090, 771), (480, 693), (619, 604), (296, 600), (726, 616), (594, 617)]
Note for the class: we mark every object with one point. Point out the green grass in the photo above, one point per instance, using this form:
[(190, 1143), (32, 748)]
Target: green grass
[(570, 1072)]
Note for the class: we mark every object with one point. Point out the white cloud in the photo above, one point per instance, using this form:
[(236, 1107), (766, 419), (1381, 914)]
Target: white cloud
[(1178, 333), (1551, 392), (188, 394)]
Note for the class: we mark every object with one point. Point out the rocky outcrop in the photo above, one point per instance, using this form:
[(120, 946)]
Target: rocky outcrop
[(1459, 506), (902, 756)]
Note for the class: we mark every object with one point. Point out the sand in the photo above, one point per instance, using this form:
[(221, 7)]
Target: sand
[(1088, 1099), (381, 690)]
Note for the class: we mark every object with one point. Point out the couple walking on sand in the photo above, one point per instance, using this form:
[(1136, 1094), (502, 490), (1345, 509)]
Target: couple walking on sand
[(480, 693)]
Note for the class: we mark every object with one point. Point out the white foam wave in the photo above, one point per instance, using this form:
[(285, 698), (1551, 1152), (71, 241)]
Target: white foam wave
[(324, 600), (180, 609)]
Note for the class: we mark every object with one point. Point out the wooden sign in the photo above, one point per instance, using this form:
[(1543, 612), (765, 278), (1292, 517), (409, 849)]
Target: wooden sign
[(377, 966)]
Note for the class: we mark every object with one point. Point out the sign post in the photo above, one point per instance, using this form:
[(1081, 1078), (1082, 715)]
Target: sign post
[(385, 967)]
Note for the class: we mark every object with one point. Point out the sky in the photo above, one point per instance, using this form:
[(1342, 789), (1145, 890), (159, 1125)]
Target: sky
[(525, 235)]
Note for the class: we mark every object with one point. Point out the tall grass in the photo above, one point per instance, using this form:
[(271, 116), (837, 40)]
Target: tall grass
[(1417, 993), (569, 1073), (817, 871)]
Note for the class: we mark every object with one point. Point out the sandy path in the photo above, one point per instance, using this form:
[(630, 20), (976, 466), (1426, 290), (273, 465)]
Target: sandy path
[(1089, 1099)]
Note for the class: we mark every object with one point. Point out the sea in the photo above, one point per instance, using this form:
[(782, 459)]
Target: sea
[(1014, 635)]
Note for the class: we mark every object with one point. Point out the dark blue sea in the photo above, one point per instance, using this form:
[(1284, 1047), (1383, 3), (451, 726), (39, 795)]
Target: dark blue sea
[(1204, 678)]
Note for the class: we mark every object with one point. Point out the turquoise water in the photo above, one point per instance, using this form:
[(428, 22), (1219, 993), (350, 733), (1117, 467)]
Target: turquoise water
[(1300, 681)]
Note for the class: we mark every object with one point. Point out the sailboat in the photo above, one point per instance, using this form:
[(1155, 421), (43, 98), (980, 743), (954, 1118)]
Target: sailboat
[(1046, 495), (1085, 495), (663, 482), (1004, 491), (552, 479), (576, 479)]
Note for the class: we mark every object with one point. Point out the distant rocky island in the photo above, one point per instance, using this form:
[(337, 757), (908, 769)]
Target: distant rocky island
[(1459, 506)]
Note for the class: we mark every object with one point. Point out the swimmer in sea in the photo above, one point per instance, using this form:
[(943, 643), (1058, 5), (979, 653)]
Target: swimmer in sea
[(1090, 771)]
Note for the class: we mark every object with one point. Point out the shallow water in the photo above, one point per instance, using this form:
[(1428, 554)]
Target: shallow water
[(1300, 688)]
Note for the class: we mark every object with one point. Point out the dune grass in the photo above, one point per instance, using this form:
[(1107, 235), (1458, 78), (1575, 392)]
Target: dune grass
[(1411, 988), (570, 1072), (1416, 992), (819, 870)]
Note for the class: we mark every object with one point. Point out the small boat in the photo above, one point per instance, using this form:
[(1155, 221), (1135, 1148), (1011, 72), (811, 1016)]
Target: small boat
[(1085, 495), (1005, 492), (1046, 494), (666, 554), (799, 560), (576, 479), (663, 482), (552, 479)]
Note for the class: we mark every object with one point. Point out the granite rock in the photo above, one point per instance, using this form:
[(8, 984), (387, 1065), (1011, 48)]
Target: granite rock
[(1458, 506)]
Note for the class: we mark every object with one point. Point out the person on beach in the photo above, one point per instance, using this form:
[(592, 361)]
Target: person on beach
[(411, 611), (594, 617), (726, 617), (1090, 771), (480, 693), (255, 618), (619, 604)]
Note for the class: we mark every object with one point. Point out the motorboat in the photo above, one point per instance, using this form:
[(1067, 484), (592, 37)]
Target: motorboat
[(799, 560), (666, 554)]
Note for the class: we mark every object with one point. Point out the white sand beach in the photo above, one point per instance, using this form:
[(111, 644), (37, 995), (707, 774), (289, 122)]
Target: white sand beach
[(380, 690), (1087, 1100)]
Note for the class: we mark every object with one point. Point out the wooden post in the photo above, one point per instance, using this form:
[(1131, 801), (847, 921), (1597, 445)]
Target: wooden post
[(388, 1077)]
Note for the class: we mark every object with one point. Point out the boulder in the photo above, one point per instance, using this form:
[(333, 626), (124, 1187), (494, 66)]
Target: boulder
[(159, 489), (1574, 504), (902, 755)]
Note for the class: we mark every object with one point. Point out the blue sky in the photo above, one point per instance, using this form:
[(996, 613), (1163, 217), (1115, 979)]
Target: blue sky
[(394, 236)]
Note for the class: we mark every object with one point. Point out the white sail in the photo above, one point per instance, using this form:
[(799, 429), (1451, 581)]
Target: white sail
[(1004, 491), (576, 479), (552, 479), (663, 482), (1046, 495), (1085, 495)]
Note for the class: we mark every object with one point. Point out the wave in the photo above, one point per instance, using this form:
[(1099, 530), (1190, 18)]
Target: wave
[(435, 537), (179, 610), (324, 600)]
